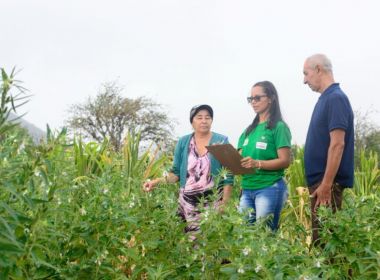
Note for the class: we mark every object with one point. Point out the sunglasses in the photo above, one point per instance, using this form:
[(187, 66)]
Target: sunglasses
[(256, 98)]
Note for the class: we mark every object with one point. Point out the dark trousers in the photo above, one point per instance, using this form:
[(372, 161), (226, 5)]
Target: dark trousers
[(336, 204)]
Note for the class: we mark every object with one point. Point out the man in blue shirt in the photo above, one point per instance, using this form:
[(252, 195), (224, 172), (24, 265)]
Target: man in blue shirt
[(329, 147)]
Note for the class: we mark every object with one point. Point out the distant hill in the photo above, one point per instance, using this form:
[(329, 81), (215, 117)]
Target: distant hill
[(35, 132)]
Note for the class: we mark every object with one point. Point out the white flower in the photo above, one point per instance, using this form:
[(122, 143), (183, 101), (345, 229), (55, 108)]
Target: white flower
[(207, 214), (132, 204), (187, 265), (105, 191), (246, 251), (258, 268), (104, 255), (21, 148), (318, 264), (82, 211), (241, 270)]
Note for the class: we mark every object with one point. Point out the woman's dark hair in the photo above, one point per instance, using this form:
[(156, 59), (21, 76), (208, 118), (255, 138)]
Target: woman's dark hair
[(274, 111)]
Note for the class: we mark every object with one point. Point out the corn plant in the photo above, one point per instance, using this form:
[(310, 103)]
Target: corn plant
[(297, 207), (367, 174), (138, 167), (90, 158), (295, 173)]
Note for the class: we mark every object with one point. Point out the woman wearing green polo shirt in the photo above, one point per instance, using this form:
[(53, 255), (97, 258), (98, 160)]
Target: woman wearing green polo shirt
[(265, 145)]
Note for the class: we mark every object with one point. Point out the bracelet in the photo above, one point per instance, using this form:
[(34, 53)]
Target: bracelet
[(259, 165)]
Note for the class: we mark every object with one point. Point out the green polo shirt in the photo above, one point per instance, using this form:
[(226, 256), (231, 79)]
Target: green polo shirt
[(262, 144)]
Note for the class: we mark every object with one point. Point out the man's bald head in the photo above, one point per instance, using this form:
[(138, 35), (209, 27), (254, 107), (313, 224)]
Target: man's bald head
[(320, 60), (318, 73)]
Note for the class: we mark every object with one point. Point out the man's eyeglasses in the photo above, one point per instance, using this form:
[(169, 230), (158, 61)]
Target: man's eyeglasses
[(257, 98)]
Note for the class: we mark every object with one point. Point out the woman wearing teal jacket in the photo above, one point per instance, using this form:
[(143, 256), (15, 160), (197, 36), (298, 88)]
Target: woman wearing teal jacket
[(265, 145), (196, 169)]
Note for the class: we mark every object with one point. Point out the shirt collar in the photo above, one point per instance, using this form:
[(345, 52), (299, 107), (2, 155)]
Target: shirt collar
[(330, 89)]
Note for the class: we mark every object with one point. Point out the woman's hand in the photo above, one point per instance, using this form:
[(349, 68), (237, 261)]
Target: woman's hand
[(169, 178), (149, 185), (248, 162)]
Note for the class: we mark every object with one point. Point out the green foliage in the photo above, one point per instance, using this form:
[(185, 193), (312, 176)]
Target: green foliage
[(9, 102), (137, 167), (367, 174), (75, 210), (295, 173), (352, 239), (90, 158)]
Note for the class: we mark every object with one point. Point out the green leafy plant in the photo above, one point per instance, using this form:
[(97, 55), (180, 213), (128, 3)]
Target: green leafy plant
[(10, 102), (367, 174), (75, 210)]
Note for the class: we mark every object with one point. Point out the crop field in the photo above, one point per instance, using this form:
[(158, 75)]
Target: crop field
[(74, 210), (71, 209)]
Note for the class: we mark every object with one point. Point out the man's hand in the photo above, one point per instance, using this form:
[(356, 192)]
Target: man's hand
[(322, 195)]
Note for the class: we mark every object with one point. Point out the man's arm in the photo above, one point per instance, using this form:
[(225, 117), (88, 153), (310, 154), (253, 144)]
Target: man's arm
[(334, 157)]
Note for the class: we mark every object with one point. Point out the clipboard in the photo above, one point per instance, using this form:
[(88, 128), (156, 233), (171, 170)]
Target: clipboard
[(230, 158)]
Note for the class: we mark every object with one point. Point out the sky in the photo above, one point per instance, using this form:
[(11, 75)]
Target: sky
[(185, 53)]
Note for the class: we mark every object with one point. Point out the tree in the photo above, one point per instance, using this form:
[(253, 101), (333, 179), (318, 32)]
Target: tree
[(112, 115)]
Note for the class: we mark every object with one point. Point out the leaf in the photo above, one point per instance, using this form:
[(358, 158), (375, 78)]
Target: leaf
[(7, 247), (228, 269)]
